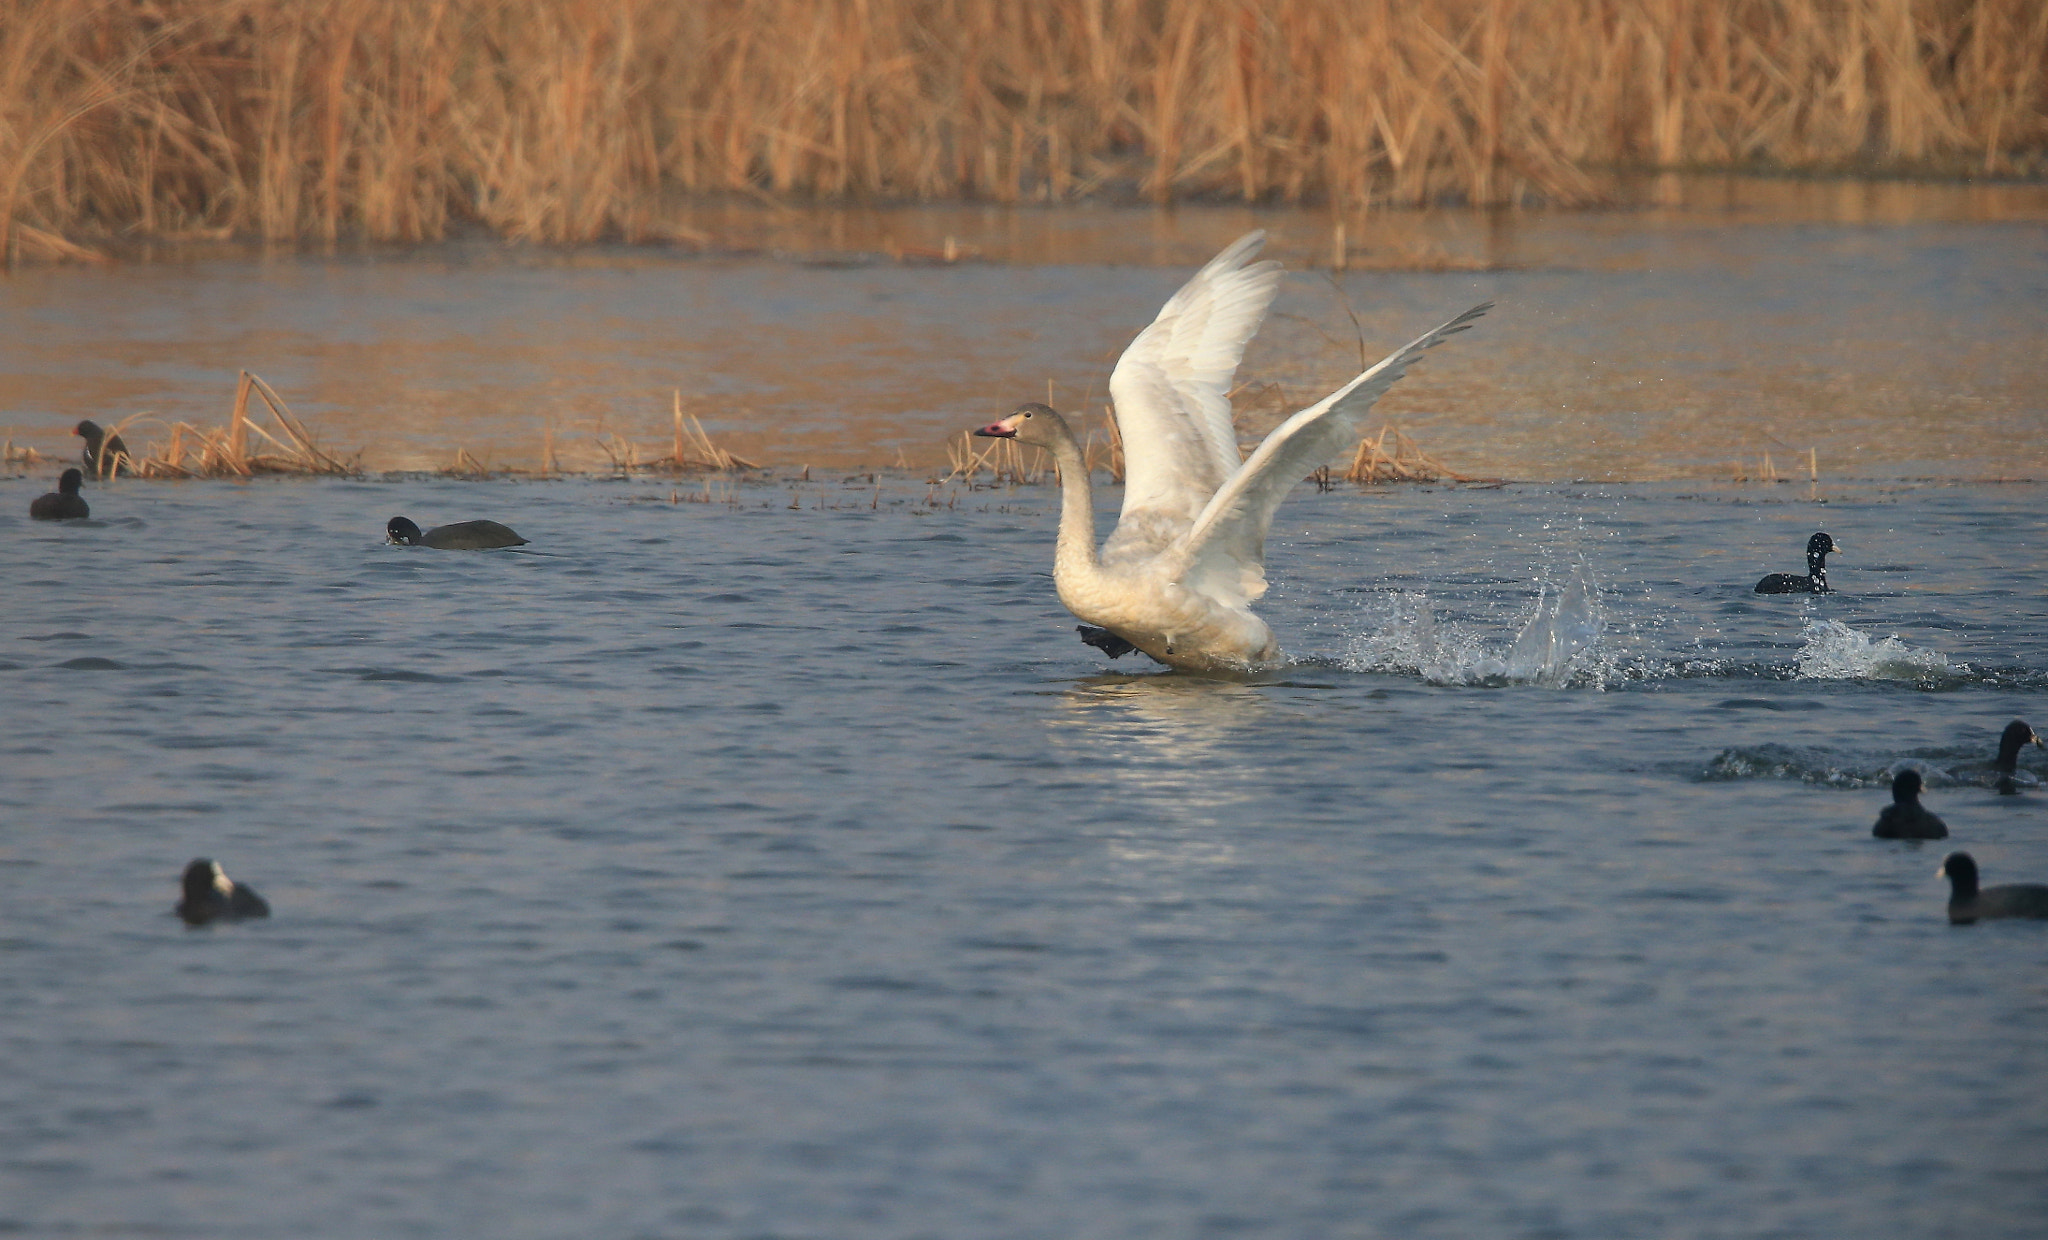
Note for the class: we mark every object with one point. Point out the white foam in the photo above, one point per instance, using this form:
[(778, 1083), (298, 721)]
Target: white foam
[(1834, 651), (1551, 647)]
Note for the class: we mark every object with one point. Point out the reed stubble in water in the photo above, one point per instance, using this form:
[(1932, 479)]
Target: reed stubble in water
[(235, 450), (568, 121)]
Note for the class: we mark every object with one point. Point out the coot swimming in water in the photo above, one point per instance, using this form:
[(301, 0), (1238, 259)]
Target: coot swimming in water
[(1904, 819), (461, 536), (210, 895), (62, 504), (1968, 902), (2017, 734), (1816, 579)]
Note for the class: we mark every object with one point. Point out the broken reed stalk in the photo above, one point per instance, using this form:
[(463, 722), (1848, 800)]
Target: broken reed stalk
[(195, 452), (565, 122), (1116, 444), (1407, 462), (965, 460), (11, 455), (1767, 470), (1004, 459), (687, 428), (713, 455), (690, 448)]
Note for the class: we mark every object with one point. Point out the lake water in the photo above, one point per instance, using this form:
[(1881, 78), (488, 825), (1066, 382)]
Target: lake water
[(1887, 330), (784, 866)]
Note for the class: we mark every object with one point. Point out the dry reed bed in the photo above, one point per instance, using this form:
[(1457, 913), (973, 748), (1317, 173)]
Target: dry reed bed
[(243, 448), (567, 120)]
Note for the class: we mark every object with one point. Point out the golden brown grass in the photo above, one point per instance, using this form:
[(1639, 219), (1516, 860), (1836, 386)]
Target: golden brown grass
[(1402, 461), (1376, 461), (568, 120), (690, 450), (1005, 460), (271, 440), (23, 455)]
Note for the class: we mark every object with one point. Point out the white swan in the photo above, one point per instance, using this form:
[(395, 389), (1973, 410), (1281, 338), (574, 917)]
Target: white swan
[(1178, 575)]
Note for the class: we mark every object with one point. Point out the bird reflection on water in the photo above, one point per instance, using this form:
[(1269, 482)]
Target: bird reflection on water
[(1183, 745)]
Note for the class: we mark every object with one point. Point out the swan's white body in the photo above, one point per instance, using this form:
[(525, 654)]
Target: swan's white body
[(1177, 577)]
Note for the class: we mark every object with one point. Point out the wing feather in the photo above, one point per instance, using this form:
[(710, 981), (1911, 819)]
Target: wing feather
[(1172, 385), (1224, 553)]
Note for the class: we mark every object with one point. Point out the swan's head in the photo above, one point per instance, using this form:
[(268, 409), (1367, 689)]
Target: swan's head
[(1034, 424)]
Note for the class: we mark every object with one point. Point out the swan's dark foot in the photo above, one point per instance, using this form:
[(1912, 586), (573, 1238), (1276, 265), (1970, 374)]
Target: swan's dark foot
[(1104, 640)]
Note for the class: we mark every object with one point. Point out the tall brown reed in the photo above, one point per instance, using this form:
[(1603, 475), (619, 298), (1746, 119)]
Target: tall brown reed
[(566, 120), (197, 452)]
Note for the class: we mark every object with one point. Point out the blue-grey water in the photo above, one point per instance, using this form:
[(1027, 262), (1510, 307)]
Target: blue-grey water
[(748, 870), (769, 859)]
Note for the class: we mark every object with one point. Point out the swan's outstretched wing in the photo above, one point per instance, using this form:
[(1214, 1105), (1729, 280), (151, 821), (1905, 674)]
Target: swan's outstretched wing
[(1225, 552), (1172, 387)]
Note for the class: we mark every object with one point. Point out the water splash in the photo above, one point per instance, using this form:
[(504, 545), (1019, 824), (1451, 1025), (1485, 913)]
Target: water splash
[(1551, 648), (1834, 651)]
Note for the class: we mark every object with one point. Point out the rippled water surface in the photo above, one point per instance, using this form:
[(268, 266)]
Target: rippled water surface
[(769, 859), (785, 867)]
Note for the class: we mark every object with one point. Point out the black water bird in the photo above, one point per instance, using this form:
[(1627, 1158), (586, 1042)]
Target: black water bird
[(62, 504), (1816, 579), (2016, 735), (210, 895), (1104, 640), (461, 536), (1967, 902), (104, 455), (1904, 819)]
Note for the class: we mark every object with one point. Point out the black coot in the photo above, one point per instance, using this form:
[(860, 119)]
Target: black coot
[(1904, 819), (1816, 579), (1968, 902), (62, 504), (461, 536), (210, 895), (2015, 738)]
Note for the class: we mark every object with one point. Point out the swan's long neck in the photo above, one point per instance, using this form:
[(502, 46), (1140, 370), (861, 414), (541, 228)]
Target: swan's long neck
[(1074, 560)]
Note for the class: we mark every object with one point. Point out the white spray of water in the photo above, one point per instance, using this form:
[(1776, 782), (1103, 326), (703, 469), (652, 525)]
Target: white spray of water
[(1834, 651), (1548, 650)]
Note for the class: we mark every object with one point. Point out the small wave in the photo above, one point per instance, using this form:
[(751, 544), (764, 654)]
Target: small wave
[(93, 663), (1553, 647), (1834, 651), (1940, 767), (1805, 764), (398, 675)]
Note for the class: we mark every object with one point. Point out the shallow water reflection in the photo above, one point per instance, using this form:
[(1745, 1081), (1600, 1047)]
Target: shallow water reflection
[(1783, 320)]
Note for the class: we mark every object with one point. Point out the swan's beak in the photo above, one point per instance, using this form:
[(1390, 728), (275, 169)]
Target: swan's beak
[(997, 430)]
